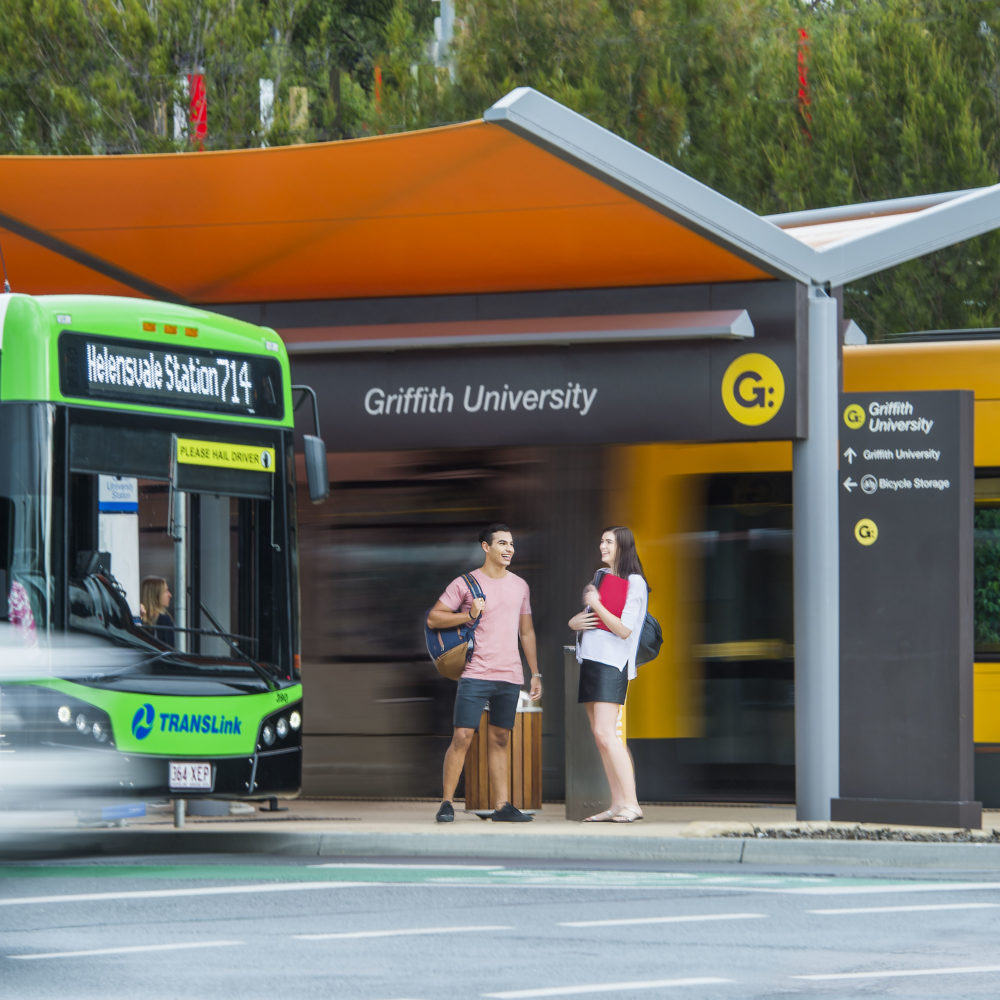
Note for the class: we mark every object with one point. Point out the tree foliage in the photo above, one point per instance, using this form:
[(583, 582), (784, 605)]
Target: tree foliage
[(897, 111), (781, 105), (111, 76), (986, 557)]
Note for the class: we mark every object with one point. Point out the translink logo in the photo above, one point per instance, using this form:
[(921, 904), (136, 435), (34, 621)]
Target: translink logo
[(145, 721), (142, 721)]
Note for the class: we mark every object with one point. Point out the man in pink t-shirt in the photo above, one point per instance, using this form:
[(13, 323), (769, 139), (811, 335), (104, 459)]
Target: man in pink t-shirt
[(493, 676)]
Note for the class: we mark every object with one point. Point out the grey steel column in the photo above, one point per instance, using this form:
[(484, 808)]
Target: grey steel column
[(180, 611), (817, 573)]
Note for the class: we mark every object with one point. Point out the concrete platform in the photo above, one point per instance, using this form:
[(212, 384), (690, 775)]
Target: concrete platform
[(700, 833)]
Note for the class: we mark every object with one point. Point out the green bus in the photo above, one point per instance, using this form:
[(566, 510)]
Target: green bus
[(148, 441)]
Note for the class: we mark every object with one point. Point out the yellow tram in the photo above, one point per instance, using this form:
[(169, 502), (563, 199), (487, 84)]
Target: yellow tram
[(715, 521)]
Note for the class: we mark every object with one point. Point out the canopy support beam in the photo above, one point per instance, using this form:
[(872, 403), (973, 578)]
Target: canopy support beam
[(88, 260), (817, 571)]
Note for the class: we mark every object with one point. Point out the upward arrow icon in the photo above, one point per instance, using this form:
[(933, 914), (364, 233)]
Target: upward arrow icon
[(850, 455)]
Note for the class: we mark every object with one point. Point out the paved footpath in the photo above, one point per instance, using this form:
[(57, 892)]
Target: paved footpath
[(700, 833)]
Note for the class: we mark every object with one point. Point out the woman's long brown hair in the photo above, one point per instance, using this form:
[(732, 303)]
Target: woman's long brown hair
[(627, 559)]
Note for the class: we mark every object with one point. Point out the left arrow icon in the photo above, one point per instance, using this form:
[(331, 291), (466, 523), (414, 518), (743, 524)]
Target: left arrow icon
[(849, 484)]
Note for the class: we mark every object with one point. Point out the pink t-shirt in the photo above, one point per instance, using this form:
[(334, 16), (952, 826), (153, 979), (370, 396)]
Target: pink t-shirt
[(496, 656)]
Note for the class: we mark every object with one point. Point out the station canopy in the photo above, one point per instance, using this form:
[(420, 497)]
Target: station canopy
[(531, 197)]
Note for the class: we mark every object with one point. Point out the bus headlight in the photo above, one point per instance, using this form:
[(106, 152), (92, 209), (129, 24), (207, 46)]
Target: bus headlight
[(66, 718), (279, 730)]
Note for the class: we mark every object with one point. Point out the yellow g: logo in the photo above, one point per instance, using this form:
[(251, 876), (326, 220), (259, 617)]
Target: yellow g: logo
[(854, 416), (753, 389), (866, 531)]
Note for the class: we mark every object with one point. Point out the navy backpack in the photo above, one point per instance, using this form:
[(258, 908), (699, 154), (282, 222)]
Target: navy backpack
[(450, 648)]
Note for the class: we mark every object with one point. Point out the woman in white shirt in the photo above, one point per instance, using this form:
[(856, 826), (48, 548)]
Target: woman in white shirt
[(607, 641)]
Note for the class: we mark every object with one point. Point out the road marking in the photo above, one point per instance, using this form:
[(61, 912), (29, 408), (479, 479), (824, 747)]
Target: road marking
[(602, 879), (220, 890), (261, 879), (128, 950), (458, 875), (361, 866), (569, 991), (910, 909), (692, 918), (890, 887), (401, 932), (900, 973)]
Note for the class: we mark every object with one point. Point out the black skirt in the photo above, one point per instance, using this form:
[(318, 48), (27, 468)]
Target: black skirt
[(599, 682)]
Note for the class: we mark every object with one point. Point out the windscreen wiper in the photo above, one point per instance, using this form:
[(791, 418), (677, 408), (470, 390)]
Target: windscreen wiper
[(261, 672)]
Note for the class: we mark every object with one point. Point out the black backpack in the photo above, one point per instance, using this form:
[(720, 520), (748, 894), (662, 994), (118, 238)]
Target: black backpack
[(650, 638)]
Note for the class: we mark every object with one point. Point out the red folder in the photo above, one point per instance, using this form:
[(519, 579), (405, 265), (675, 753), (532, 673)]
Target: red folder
[(613, 590)]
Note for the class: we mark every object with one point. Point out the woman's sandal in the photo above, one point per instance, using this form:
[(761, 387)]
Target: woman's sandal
[(608, 816), (627, 814)]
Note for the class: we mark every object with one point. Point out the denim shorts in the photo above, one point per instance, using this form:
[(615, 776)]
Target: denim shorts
[(474, 695)]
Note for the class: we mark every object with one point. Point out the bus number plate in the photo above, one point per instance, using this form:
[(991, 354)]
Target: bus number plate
[(189, 775)]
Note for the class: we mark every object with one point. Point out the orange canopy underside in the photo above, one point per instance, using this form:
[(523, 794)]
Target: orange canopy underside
[(460, 209)]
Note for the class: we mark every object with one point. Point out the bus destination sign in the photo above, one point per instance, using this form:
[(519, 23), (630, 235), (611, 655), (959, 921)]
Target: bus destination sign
[(128, 371)]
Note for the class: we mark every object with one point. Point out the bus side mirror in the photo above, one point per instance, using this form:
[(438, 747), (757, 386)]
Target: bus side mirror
[(317, 474)]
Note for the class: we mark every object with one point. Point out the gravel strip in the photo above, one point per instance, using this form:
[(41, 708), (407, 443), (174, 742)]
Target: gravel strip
[(868, 832)]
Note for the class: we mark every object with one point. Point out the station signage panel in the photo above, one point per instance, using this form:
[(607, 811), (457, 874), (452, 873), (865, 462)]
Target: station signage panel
[(906, 507), (579, 394)]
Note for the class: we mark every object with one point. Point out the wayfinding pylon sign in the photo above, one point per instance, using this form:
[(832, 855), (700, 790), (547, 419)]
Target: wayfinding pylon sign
[(906, 582)]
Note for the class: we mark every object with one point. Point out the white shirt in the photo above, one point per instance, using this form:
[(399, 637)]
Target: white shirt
[(606, 647)]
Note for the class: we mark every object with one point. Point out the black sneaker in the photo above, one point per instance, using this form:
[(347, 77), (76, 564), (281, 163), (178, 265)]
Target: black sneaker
[(510, 814), (445, 813)]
